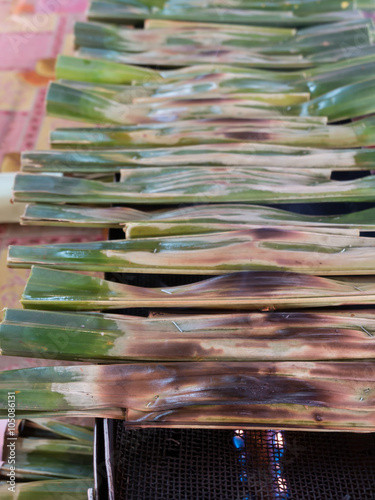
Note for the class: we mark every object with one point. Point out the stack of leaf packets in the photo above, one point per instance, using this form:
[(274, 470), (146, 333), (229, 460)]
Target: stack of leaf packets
[(54, 459), (236, 160)]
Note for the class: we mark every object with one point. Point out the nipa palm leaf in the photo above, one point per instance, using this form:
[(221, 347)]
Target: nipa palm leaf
[(59, 290), (232, 337)]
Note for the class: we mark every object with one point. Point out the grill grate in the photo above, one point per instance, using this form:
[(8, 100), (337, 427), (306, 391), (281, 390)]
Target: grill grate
[(197, 464)]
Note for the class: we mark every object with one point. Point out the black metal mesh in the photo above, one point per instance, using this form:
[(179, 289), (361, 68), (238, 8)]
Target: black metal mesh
[(179, 464)]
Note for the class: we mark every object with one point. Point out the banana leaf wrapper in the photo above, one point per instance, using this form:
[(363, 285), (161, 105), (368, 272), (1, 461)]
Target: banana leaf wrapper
[(75, 489), (191, 185), (65, 430), (274, 93), (191, 219), (136, 230), (160, 387), (108, 36), (232, 84), (217, 253), (261, 40), (262, 155), (341, 104), (58, 290), (176, 56), (68, 102), (226, 83), (237, 337), (39, 459), (182, 49), (306, 6), (328, 66), (61, 215), (352, 135), (119, 12)]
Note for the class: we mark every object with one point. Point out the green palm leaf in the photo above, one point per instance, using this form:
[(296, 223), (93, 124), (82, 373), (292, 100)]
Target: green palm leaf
[(59, 290)]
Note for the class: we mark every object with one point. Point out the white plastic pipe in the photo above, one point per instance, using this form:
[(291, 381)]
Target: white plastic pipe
[(9, 212)]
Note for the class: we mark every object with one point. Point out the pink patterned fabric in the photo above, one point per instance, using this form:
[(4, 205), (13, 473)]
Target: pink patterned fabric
[(30, 30)]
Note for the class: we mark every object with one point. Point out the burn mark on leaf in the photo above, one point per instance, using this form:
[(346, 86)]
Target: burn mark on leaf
[(248, 136)]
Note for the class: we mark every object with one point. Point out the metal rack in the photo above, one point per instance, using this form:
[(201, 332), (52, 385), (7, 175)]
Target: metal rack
[(202, 464)]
